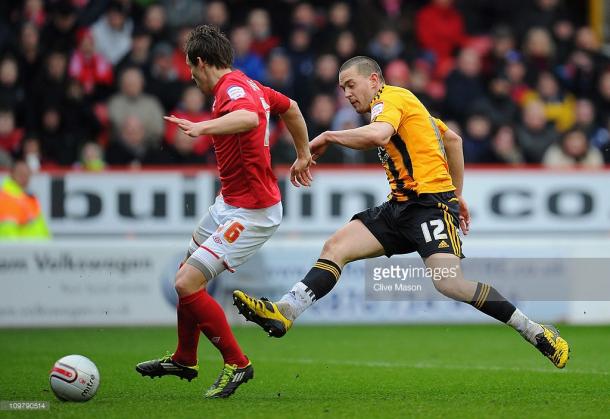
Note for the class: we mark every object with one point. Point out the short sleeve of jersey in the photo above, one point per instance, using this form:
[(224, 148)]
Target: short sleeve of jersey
[(441, 126), (384, 110), (278, 102), (235, 96)]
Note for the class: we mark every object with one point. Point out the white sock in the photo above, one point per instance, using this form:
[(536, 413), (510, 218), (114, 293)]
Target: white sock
[(522, 324), (294, 303)]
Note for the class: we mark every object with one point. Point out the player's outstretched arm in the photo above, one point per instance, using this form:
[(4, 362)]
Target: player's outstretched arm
[(455, 159), (376, 134), (234, 122), (299, 172)]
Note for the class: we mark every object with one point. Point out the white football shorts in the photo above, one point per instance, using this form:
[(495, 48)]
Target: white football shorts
[(227, 236)]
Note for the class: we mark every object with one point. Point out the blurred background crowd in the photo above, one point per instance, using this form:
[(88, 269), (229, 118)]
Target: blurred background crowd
[(85, 83)]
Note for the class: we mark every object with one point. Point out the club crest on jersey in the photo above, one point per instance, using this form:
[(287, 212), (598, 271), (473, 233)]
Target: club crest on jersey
[(376, 110), (235, 92)]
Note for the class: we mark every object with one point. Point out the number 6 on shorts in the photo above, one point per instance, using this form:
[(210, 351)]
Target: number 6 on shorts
[(233, 231)]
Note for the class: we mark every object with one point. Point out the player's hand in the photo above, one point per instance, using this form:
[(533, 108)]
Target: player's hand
[(318, 145), (464, 215), (192, 129), (300, 173)]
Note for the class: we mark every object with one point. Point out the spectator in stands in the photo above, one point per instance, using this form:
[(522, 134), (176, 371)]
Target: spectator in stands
[(155, 22), (503, 44), (33, 11), (386, 46), (132, 101), (92, 157), (346, 46), (131, 146), (535, 134), (91, 69), (497, 104), (477, 139), (53, 140), (279, 73), (325, 78), (31, 153), (464, 85), (504, 147), (260, 27), (396, 73), (191, 107), (558, 105), (302, 59), (563, 34), (79, 120), (180, 152), (217, 14), (573, 151), (12, 94), (339, 20), (20, 213), (321, 114), (419, 80), (60, 33), (304, 17), (602, 99), (515, 73), (140, 54), (597, 136), (244, 59), (539, 54), (439, 28), (182, 13), (112, 33), (10, 134), (51, 86), (164, 82), (179, 56), (282, 151), (29, 56), (543, 14)]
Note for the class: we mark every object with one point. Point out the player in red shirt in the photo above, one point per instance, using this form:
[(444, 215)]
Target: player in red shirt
[(245, 214)]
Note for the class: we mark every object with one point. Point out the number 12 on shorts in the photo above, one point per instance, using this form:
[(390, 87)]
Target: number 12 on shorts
[(438, 234)]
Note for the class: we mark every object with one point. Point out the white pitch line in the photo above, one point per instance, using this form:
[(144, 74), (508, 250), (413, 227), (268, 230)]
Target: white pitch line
[(423, 365)]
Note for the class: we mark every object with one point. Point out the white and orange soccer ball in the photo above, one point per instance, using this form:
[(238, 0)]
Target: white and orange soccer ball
[(74, 378)]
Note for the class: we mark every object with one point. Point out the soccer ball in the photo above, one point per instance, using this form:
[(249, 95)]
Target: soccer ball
[(74, 378)]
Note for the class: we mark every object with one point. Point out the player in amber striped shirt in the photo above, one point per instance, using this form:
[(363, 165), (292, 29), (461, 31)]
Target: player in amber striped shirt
[(424, 164)]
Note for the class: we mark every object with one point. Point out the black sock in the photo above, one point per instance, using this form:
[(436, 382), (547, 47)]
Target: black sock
[(492, 303), (321, 278)]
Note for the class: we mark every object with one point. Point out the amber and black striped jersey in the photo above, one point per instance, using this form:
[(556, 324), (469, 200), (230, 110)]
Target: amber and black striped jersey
[(414, 158)]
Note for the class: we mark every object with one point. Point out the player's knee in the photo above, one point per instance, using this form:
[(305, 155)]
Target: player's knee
[(184, 285), (332, 250)]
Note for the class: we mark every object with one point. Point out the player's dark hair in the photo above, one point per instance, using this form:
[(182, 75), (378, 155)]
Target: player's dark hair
[(365, 66), (211, 45)]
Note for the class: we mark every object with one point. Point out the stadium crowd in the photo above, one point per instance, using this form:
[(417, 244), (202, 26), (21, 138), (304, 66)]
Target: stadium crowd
[(85, 83)]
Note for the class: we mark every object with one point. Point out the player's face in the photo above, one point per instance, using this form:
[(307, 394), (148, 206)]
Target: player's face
[(359, 89), (199, 75)]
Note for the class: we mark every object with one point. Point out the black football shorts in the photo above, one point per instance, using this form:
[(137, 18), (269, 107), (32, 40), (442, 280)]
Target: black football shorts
[(427, 223)]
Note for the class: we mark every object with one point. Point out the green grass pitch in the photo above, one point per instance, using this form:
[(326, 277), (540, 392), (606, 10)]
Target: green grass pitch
[(333, 371)]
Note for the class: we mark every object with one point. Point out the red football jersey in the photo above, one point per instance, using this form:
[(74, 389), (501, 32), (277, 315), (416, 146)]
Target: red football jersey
[(244, 160)]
